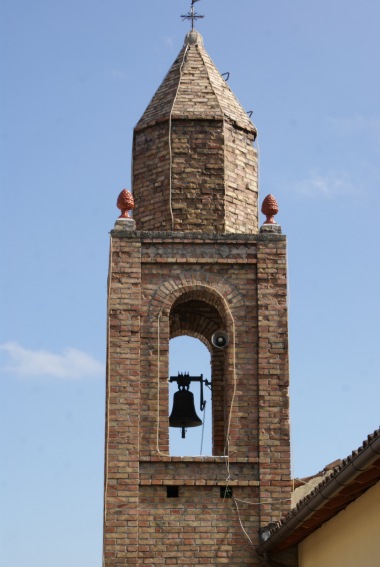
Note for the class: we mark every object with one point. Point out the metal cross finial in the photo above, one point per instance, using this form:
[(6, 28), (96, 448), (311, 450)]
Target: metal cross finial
[(192, 15)]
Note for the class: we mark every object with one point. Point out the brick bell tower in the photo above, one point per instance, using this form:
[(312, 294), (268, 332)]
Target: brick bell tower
[(193, 261)]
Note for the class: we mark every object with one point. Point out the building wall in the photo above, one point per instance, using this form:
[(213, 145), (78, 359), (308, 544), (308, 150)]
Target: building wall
[(244, 278), (350, 539)]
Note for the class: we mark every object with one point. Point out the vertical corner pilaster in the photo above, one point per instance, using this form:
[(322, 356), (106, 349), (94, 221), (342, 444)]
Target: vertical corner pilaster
[(273, 378), (122, 402)]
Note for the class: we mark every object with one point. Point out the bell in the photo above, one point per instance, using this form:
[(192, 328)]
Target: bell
[(183, 413)]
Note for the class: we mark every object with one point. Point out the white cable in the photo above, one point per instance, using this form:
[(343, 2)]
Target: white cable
[(172, 221), (170, 138), (259, 502), (158, 387), (241, 524), (227, 445)]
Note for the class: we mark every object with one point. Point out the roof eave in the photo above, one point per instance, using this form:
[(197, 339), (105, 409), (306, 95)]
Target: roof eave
[(306, 517)]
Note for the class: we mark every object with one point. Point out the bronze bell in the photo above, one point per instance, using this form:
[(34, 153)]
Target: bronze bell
[(183, 413)]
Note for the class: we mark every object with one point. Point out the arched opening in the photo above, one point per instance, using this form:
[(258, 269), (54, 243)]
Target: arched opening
[(197, 315), (187, 354)]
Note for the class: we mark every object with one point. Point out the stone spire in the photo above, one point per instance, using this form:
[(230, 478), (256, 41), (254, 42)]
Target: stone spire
[(194, 165)]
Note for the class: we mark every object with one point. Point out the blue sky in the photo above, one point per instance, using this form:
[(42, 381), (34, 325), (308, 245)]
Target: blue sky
[(76, 77)]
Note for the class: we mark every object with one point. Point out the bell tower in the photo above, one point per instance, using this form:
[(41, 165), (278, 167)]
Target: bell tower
[(194, 262)]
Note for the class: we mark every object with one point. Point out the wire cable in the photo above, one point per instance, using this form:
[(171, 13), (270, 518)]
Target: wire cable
[(158, 386), (170, 138), (241, 524)]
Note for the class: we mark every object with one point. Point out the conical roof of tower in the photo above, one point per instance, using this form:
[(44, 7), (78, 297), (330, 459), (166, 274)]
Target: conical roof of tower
[(194, 89)]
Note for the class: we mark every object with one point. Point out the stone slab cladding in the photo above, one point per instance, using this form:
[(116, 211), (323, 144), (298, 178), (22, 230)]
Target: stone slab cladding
[(192, 268)]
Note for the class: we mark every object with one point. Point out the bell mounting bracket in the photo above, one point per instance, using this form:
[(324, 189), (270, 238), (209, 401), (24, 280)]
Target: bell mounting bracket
[(184, 380)]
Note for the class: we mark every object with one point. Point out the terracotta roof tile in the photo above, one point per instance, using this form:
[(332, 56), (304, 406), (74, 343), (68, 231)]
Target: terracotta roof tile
[(311, 511)]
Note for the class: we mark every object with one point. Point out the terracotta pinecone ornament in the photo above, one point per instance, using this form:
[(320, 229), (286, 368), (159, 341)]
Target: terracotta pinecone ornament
[(125, 203), (269, 208)]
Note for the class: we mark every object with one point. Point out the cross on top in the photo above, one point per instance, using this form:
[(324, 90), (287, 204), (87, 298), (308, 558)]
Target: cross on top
[(192, 15)]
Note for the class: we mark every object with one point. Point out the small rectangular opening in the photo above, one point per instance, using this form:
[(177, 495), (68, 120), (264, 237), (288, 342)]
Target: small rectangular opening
[(172, 491), (226, 491)]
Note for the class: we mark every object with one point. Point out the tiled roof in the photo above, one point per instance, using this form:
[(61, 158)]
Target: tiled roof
[(194, 88), (351, 478)]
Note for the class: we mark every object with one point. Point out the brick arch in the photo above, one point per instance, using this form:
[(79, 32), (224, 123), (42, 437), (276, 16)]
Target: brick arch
[(193, 335), (196, 326), (230, 305), (220, 293), (195, 317)]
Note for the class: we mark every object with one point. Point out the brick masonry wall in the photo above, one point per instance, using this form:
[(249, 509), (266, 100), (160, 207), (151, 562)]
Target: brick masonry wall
[(241, 181), (243, 277), (201, 178), (198, 176), (273, 376), (197, 528), (151, 178), (123, 405)]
